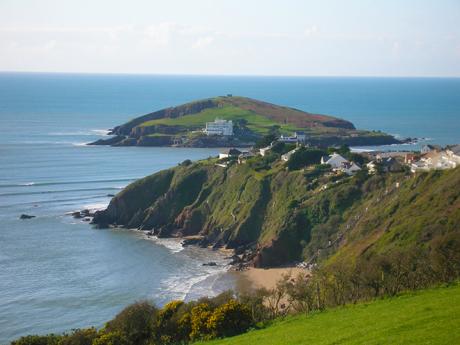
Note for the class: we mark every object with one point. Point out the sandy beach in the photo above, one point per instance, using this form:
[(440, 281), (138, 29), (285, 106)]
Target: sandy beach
[(256, 278)]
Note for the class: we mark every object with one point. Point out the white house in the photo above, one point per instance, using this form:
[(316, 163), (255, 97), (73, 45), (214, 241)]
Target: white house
[(453, 155), (219, 127), (335, 160), (264, 150), (298, 137), (288, 155)]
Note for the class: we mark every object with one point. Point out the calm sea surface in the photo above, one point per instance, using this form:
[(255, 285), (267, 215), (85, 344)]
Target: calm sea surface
[(57, 273)]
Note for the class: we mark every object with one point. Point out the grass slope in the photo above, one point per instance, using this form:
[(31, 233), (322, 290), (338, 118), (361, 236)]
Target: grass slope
[(257, 123), (424, 317)]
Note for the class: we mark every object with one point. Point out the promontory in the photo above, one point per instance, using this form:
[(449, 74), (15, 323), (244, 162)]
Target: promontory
[(229, 121)]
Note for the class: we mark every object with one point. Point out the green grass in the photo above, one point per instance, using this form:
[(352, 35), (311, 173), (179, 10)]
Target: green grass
[(425, 317), (256, 123)]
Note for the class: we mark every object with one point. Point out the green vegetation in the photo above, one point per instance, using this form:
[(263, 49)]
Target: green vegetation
[(256, 123), (176, 323), (278, 214), (424, 317), (252, 119)]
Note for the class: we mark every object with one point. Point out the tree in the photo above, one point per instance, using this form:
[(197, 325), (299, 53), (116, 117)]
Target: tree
[(135, 322), (79, 337), (265, 141), (303, 157)]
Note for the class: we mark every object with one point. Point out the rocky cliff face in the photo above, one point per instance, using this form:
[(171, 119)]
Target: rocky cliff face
[(275, 217)]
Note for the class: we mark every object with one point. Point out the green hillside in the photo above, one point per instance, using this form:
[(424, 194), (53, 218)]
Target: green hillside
[(274, 215), (424, 317), (182, 125)]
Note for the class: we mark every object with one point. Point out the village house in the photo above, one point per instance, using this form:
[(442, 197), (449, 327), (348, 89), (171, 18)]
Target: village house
[(298, 137), (335, 160), (229, 153), (244, 156), (434, 159), (219, 127), (453, 154), (349, 168), (264, 150), (387, 164)]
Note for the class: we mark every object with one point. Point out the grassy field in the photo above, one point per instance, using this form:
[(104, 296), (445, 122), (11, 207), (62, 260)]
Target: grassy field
[(425, 317), (257, 123)]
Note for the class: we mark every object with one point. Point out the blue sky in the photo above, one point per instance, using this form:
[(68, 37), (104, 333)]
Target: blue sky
[(232, 37)]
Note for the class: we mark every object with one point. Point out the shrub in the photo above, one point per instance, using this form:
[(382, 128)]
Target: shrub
[(229, 319), (135, 322), (167, 324), (50, 339), (199, 322), (79, 337), (111, 338)]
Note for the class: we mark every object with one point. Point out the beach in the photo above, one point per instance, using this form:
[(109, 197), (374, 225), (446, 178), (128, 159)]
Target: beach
[(256, 278)]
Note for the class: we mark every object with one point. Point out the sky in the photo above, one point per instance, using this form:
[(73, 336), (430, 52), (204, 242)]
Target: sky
[(233, 37)]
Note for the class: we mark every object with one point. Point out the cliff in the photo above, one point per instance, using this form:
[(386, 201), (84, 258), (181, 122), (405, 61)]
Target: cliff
[(274, 216), (252, 119)]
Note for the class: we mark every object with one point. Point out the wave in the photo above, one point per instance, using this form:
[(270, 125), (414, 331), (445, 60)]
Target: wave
[(89, 132), (59, 191), (173, 244), (54, 201), (29, 184)]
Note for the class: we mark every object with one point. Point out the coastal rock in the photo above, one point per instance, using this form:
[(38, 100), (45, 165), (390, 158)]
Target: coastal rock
[(211, 263), (111, 141), (26, 216), (76, 214)]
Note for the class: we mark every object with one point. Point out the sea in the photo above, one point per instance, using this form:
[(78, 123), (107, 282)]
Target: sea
[(59, 273)]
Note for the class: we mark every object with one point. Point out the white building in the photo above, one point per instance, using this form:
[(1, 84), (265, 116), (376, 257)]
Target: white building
[(298, 137), (219, 127), (335, 160), (264, 150)]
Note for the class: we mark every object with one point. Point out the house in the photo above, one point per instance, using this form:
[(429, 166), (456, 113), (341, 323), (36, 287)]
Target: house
[(349, 168), (264, 150), (301, 136), (229, 153), (335, 160), (388, 164), (298, 137), (428, 148), (372, 167), (391, 164), (288, 155), (453, 154), (409, 158), (285, 139), (219, 127), (244, 156)]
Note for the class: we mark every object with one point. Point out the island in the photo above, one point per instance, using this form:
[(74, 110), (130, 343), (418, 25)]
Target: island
[(229, 121)]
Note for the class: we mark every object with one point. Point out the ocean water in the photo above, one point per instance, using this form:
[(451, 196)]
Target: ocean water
[(58, 273)]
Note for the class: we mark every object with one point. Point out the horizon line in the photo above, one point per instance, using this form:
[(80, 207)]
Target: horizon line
[(231, 75)]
